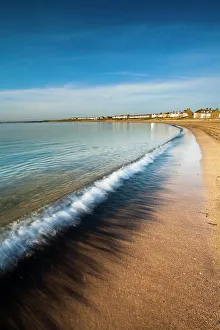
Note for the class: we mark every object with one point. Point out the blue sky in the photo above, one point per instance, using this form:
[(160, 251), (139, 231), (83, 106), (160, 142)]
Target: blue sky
[(61, 59)]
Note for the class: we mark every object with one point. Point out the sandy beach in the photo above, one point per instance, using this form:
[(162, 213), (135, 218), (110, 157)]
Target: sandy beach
[(208, 136), (110, 165), (154, 266), (169, 277)]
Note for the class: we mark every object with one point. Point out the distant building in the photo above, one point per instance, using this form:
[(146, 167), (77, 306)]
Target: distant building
[(201, 114), (146, 116), (216, 113), (120, 117), (189, 113), (85, 118), (207, 113), (178, 114), (174, 114)]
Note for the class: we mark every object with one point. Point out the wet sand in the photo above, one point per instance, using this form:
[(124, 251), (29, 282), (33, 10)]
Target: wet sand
[(208, 136), (152, 266)]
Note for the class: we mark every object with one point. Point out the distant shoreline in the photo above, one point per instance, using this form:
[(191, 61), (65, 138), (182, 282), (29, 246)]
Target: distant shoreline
[(161, 120)]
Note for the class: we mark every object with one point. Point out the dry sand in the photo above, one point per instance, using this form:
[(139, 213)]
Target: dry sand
[(207, 133)]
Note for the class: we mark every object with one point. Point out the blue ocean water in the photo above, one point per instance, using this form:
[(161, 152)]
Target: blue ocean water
[(76, 164), (39, 163)]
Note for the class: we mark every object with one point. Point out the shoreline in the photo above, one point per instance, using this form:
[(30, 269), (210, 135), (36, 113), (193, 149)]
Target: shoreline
[(167, 279), (52, 196), (119, 272), (207, 134), (156, 120), (146, 265), (209, 143)]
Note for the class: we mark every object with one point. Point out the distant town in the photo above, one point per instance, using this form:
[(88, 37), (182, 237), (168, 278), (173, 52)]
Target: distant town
[(207, 113)]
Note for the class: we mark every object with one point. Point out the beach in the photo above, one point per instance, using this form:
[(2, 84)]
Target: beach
[(169, 278), (149, 261), (110, 165), (208, 136)]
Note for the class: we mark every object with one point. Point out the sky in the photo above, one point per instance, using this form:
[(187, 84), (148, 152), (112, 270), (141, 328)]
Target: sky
[(60, 59)]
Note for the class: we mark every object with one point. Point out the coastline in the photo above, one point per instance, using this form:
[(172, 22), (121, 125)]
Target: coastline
[(169, 276), (148, 265), (160, 274), (208, 137), (207, 133)]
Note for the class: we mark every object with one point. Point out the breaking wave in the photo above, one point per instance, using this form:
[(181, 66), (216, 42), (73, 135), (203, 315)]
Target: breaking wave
[(25, 236)]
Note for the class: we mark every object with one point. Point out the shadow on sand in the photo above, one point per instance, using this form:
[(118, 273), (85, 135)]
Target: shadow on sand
[(36, 293)]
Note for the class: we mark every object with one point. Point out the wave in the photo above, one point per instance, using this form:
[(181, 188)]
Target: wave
[(25, 236)]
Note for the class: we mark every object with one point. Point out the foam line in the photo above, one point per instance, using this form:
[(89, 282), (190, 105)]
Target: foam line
[(24, 236)]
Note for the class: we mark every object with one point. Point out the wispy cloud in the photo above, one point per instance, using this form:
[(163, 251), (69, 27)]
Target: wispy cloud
[(70, 100)]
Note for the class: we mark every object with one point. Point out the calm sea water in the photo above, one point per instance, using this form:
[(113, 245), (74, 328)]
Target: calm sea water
[(52, 175), (39, 163)]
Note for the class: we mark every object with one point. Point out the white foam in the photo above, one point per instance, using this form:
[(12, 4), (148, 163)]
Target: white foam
[(35, 231)]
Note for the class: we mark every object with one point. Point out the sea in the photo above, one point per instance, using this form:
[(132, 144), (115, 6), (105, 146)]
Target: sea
[(54, 174)]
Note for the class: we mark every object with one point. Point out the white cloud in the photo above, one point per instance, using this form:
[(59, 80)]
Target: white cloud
[(70, 100)]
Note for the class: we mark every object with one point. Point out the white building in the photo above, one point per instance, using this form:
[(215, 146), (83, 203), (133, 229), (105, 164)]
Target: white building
[(146, 116), (178, 114), (120, 117)]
